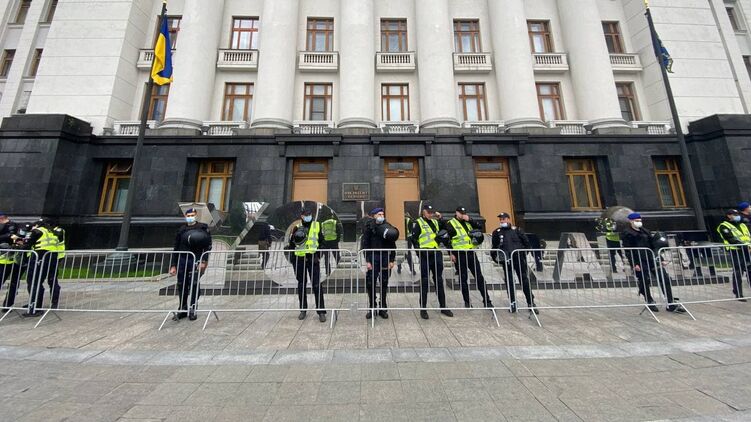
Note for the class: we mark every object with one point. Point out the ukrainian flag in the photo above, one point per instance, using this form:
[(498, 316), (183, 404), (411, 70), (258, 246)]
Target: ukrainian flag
[(161, 68)]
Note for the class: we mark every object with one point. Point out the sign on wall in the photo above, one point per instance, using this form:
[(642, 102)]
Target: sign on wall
[(355, 191)]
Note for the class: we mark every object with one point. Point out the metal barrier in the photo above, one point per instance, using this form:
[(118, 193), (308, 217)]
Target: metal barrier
[(460, 279), (15, 273), (113, 281), (587, 278), (273, 280), (705, 274)]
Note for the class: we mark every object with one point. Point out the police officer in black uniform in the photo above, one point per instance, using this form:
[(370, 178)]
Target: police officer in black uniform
[(378, 234), (306, 260), (191, 237), (464, 258), (509, 238), (636, 236), (425, 234), (43, 265)]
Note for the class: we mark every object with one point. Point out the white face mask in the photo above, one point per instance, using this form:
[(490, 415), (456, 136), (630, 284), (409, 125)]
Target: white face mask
[(190, 220), (380, 220), (307, 218), (637, 224), (737, 218), (504, 225)]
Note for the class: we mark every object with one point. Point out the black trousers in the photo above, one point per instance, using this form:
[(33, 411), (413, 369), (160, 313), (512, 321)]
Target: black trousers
[(648, 275), (519, 268), (380, 272), (431, 261), (40, 269), (330, 244), (187, 283), (465, 261), (12, 272), (308, 266), (740, 259), (615, 250)]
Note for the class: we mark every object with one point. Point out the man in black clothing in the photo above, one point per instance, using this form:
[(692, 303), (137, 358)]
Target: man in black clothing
[(423, 234), (43, 265), (191, 237), (509, 238), (381, 236), (10, 265), (464, 258), (307, 263)]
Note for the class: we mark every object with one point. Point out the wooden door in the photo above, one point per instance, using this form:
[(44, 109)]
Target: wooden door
[(493, 190), (310, 180), (402, 184)]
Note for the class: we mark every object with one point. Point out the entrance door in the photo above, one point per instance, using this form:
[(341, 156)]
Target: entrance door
[(493, 189), (310, 180), (402, 184)]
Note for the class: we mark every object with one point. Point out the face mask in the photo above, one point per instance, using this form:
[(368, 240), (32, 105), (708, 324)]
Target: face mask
[(190, 220), (637, 224), (736, 218), (307, 218), (504, 225), (380, 220)]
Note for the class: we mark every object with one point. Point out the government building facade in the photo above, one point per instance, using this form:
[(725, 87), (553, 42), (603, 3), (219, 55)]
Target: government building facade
[(551, 110)]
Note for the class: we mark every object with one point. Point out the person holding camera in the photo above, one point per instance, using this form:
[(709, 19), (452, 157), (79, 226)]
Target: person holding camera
[(465, 236), (380, 236), (191, 237), (508, 238), (305, 241), (426, 232)]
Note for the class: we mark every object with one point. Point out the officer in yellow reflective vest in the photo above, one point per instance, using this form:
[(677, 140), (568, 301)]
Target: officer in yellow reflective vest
[(331, 229), (735, 235), (306, 262), (424, 231), (613, 242), (42, 266), (10, 261), (464, 258)]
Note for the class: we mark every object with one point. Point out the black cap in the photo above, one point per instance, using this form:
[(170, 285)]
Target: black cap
[(461, 210), (504, 215), (732, 212), (306, 212), (427, 208)]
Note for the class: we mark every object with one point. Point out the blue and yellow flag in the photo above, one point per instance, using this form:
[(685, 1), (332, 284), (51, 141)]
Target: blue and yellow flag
[(663, 55), (161, 68)]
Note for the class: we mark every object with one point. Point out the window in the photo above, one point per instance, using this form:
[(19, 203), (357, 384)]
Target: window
[(669, 184), (395, 102), (34, 65), (317, 102), (732, 14), (158, 102), (393, 35), (320, 34), (539, 36), (115, 187), (467, 36), (51, 11), (237, 102), (244, 34), (472, 97), (7, 62), (613, 37), (23, 10), (549, 100), (747, 62), (627, 101), (582, 183), (215, 183)]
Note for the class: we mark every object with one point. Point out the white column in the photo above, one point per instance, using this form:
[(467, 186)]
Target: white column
[(514, 69), (357, 69), (435, 64), (191, 93), (274, 93), (591, 71)]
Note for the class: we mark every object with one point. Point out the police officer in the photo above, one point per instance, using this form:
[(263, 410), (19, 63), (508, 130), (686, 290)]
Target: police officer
[(509, 238), (735, 235), (306, 262), (465, 260), (408, 253), (332, 234), (424, 231), (381, 236), (20, 265), (42, 265), (191, 237), (613, 242), (10, 267), (636, 236)]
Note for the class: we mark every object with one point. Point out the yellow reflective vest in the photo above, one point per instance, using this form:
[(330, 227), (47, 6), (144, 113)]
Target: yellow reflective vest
[(741, 234), (427, 235), (461, 240), (311, 243)]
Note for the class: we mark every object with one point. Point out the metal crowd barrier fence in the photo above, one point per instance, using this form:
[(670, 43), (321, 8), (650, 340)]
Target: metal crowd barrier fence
[(706, 274), (113, 281), (587, 278), (16, 279), (437, 280), (273, 280)]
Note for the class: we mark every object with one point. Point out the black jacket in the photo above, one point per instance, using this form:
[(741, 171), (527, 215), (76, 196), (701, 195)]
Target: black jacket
[(371, 240), (508, 239), (291, 244), (415, 231), (642, 238), (181, 240), (6, 231), (468, 227)]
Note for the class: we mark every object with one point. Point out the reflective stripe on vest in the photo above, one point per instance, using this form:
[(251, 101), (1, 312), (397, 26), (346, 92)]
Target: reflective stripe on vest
[(328, 228), (48, 241), (741, 234), (427, 235), (461, 240), (311, 244), (7, 257)]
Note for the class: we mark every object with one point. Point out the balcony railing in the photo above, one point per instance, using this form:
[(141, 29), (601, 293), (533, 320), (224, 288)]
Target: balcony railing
[(399, 127), (223, 128), (654, 128), (395, 62), (625, 63), (237, 60), (473, 62), (487, 126), (312, 127), (550, 62), (146, 57), (318, 61), (130, 128), (570, 127)]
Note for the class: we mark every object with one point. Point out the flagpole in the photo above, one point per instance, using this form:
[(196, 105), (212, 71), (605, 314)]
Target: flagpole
[(122, 243), (689, 172)]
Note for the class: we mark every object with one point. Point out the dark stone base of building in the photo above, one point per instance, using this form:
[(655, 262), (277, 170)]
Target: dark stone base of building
[(52, 165)]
